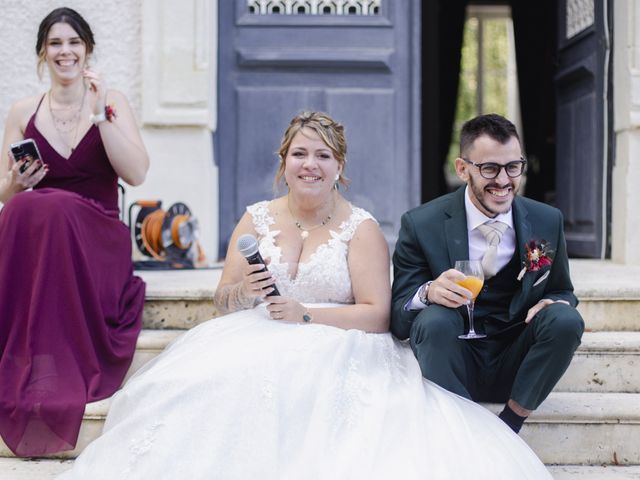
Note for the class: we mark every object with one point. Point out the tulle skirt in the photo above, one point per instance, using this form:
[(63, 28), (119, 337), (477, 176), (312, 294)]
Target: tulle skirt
[(243, 396)]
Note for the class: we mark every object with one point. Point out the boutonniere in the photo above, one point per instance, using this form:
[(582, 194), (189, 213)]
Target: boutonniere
[(538, 255)]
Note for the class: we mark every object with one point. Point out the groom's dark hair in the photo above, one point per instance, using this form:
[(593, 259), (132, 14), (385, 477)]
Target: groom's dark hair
[(493, 125)]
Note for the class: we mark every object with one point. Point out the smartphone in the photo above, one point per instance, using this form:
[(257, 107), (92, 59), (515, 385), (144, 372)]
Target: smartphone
[(25, 148)]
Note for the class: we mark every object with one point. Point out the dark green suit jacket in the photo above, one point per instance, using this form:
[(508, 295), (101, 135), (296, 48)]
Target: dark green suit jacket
[(434, 235)]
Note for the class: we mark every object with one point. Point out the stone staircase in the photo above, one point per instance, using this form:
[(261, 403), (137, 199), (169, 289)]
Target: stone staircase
[(588, 428)]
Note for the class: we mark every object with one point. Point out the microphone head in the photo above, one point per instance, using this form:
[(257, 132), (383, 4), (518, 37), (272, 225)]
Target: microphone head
[(247, 245)]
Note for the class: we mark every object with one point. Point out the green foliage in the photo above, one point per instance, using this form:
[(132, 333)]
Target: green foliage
[(493, 32)]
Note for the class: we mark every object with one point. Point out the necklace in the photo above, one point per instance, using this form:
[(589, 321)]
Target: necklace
[(304, 231), (64, 126)]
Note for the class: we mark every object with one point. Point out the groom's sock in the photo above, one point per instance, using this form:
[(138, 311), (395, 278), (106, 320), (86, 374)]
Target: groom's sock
[(512, 419)]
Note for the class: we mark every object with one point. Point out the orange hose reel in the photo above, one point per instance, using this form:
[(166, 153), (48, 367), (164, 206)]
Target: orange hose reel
[(167, 236)]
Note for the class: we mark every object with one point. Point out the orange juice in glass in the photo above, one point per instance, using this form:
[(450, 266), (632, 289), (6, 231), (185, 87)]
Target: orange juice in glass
[(473, 284), (473, 281)]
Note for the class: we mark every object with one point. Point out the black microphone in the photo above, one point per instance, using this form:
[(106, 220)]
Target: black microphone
[(248, 247)]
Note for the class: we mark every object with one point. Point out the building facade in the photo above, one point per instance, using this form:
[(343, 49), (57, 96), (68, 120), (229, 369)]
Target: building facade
[(199, 73)]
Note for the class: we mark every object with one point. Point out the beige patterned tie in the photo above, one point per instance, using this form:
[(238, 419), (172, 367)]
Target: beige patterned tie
[(493, 234)]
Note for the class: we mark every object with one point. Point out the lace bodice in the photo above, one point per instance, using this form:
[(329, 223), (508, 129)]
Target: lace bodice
[(322, 278)]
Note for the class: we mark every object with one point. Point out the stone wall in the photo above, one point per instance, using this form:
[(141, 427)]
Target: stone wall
[(626, 170)]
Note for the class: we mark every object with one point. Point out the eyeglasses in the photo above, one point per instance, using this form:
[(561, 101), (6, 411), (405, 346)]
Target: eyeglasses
[(491, 170)]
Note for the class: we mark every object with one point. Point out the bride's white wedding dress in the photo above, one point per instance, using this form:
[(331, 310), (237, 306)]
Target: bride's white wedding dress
[(245, 397)]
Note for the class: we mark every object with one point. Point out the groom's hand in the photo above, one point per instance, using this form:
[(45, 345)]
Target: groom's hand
[(446, 292), (533, 311)]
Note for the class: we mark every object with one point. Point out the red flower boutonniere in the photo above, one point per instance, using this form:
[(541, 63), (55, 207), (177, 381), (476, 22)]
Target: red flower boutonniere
[(539, 254)]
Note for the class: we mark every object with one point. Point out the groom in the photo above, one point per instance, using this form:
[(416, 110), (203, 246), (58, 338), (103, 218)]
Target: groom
[(526, 306)]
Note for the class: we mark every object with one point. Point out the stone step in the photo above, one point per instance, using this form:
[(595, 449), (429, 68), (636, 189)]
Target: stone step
[(180, 311), (609, 296), (585, 428), (604, 362), (45, 469), (27, 469), (179, 299), (568, 429), (586, 472)]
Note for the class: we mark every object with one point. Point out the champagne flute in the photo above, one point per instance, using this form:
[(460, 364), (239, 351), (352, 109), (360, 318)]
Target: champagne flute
[(473, 281)]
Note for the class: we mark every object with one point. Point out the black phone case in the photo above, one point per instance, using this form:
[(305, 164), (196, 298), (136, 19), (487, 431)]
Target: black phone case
[(25, 148)]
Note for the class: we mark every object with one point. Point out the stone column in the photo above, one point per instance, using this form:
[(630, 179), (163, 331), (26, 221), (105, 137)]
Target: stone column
[(179, 58), (625, 234)]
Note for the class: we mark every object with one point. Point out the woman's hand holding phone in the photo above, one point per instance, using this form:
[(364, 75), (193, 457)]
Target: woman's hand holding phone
[(28, 169), (34, 172)]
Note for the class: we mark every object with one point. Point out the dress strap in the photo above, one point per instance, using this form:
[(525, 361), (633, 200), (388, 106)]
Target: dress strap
[(39, 103), (349, 226), (261, 217), (32, 120)]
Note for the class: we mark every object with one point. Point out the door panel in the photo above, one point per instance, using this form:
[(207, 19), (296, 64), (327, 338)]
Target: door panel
[(582, 126), (361, 69)]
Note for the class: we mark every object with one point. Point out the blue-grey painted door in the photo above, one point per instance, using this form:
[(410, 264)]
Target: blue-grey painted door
[(583, 131), (358, 60)]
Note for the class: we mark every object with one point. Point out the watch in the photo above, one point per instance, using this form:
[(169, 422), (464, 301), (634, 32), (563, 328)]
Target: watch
[(423, 293), (306, 317)]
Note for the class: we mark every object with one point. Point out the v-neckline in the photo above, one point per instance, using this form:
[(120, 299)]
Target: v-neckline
[(73, 151)]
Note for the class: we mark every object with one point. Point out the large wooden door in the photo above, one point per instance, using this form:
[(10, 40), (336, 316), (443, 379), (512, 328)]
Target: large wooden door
[(583, 131), (358, 60)]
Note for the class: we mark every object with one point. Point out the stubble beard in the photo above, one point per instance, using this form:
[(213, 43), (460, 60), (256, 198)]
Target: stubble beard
[(478, 192)]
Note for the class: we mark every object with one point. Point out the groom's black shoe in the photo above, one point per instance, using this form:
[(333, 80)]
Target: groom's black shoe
[(512, 419)]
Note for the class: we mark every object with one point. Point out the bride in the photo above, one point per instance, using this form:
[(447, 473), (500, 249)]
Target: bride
[(309, 384)]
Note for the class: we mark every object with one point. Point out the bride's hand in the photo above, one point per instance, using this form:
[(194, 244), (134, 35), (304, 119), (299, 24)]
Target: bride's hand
[(256, 283), (284, 308)]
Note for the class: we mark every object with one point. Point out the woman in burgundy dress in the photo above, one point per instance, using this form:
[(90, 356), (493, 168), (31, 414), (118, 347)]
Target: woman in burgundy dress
[(70, 306)]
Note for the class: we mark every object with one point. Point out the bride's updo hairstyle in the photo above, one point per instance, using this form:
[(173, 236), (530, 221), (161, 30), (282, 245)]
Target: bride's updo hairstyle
[(71, 18), (331, 133)]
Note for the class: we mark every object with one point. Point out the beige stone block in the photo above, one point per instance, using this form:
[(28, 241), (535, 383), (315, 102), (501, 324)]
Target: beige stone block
[(598, 472), (602, 372), (610, 314), (177, 313), (584, 443), (29, 469)]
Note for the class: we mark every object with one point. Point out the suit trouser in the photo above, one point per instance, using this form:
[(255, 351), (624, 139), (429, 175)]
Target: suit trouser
[(523, 363)]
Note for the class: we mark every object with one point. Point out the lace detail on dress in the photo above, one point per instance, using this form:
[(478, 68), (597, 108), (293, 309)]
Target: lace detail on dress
[(351, 396), (141, 446), (267, 242), (325, 276)]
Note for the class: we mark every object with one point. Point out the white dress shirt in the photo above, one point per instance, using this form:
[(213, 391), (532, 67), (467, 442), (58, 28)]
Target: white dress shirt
[(477, 241)]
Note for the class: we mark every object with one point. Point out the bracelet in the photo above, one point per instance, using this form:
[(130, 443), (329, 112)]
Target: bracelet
[(108, 114), (99, 118), (306, 317)]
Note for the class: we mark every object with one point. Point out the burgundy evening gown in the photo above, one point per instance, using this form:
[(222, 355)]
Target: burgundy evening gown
[(70, 306)]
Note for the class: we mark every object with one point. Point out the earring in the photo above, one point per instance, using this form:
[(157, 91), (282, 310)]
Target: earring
[(335, 183)]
